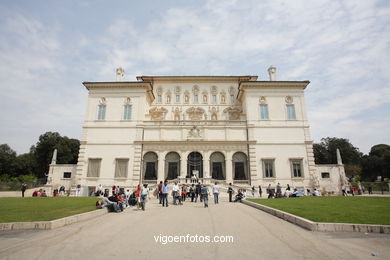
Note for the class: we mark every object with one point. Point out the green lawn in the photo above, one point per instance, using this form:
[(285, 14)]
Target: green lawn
[(359, 210), (43, 209)]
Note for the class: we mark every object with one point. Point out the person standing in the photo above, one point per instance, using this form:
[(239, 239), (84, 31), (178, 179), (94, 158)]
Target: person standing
[(144, 196), (197, 192), (288, 187), (278, 190), (270, 192), (253, 191), (192, 192), (159, 192), (24, 188), (230, 191), (205, 195), (78, 190), (165, 194), (216, 193), (260, 191), (175, 192)]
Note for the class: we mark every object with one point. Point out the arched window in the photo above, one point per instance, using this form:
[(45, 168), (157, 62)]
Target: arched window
[(195, 165), (102, 112), (172, 166), (240, 166), (150, 166), (217, 166)]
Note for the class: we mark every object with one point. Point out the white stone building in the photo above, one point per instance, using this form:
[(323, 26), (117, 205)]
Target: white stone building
[(230, 129)]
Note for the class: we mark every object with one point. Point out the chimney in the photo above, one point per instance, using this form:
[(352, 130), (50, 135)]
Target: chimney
[(120, 74), (272, 73)]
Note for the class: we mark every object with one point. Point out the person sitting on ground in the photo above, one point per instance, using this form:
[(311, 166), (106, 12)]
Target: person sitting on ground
[(43, 193), (287, 193), (114, 198), (239, 196), (35, 193), (316, 193), (110, 205)]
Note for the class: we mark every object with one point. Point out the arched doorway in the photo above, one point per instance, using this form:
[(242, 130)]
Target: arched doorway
[(172, 166), (217, 166), (195, 165), (240, 166), (150, 166)]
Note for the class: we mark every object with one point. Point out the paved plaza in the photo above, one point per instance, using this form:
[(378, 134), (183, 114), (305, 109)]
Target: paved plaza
[(131, 235)]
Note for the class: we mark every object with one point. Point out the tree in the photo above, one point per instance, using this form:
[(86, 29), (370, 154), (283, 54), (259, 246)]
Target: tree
[(325, 153), (7, 160), (376, 163), (67, 151)]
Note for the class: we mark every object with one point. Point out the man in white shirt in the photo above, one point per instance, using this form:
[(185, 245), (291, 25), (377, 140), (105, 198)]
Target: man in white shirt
[(175, 192), (216, 193)]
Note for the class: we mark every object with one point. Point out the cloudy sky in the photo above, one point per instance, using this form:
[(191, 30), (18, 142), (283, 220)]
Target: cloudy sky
[(47, 48)]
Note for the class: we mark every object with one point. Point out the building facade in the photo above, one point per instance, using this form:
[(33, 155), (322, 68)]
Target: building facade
[(230, 129)]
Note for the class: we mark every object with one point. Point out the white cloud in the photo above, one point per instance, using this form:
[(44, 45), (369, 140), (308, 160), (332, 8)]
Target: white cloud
[(342, 47)]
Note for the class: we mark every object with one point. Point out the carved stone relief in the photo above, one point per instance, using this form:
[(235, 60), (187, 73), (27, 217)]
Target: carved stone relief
[(233, 112), (157, 113), (289, 100), (195, 113), (194, 132), (214, 113)]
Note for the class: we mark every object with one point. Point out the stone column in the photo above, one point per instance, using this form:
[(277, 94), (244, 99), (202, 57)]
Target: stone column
[(183, 167), (206, 168), (229, 168), (161, 167)]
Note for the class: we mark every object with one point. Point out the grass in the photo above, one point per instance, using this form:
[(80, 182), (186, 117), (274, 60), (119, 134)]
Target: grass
[(358, 210), (43, 209)]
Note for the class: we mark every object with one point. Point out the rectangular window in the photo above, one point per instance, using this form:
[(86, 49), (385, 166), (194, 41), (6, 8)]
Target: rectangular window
[(101, 112), (67, 175), (196, 100), (296, 168), (94, 167), (214, 99), (177, 98), (121, 168), (268, 169), (231, 99), (127, 112), (263, 112), (291, 112), (325, 175), (159, 98)]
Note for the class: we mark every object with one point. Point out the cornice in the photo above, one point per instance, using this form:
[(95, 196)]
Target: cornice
[(238, 79)]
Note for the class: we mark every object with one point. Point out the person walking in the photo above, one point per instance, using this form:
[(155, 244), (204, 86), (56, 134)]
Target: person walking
[(216, 193), (205, 195), (23, 188), (260, 191), (230, 191), (164, 190), (253, 191)]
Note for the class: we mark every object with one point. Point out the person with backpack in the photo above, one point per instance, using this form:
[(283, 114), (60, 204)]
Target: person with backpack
[(205, 195)]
